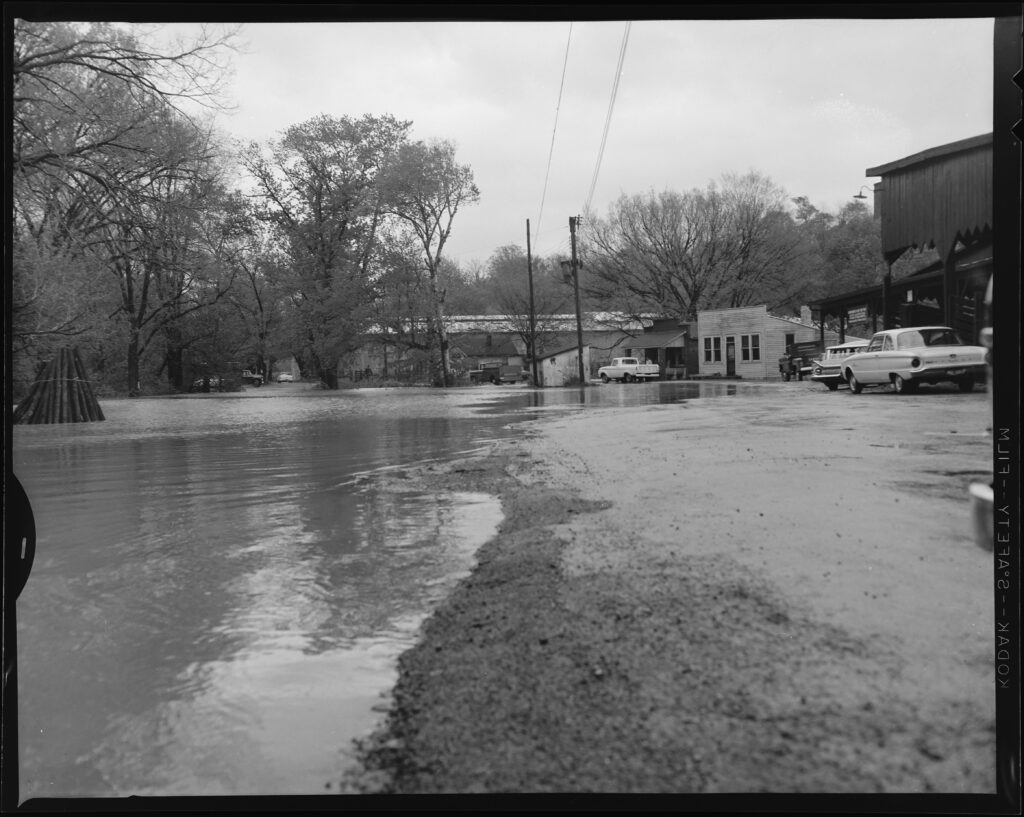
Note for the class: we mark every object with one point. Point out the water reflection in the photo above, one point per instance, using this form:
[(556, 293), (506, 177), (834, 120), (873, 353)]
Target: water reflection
[(217, 600), (215, 606), (615, 395)]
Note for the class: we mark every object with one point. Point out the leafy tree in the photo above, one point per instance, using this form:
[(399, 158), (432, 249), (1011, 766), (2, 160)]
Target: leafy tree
[(425, 188), (319, 193), (466, 288)]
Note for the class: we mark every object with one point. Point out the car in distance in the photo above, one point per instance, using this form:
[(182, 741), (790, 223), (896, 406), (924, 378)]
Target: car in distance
[(628, 370), (828, 369), (285, 377), (251, 378), (206, 384), (907, 357)]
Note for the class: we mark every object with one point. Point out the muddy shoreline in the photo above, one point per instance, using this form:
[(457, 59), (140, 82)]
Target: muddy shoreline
[(612, 641)]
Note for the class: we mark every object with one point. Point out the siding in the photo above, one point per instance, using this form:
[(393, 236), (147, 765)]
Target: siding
[(753, 320), (563, 367), (935, 196)]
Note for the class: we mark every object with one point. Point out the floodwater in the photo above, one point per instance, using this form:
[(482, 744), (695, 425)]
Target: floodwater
[(217, 600)]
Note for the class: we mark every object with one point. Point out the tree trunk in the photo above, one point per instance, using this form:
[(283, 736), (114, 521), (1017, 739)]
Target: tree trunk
[(134, 387), (327, 371), (176, 368), (440, 330)]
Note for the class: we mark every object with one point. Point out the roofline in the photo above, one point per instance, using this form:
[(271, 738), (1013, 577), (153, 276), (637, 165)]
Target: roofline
[(562, 351), (960, 146)]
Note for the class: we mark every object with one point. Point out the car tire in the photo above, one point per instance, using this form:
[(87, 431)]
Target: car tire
[(901, 386), (627, 378), (785, 376), (856, 387), (604, 378), (966, 384)]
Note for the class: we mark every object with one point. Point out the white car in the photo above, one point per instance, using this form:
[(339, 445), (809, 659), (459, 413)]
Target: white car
[(913, 355), (285, 377), (828, 369)]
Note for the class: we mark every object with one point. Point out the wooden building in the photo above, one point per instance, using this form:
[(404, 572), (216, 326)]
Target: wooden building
[(939, 198), (748, 341), (669, 343), (561, 366)]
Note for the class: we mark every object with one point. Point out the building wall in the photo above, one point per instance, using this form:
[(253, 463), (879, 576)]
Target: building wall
[(562, 368), (772, 334)]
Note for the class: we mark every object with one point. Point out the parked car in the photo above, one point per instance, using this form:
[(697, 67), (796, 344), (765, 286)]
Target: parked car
[(982, 495), (205, 384), (907, 357), (285, 377), (828, 370), (628, 369), (252, 378), (799, 359), (497, 374)]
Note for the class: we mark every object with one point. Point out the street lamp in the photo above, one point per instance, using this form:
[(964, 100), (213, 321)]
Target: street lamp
[(860, 193)]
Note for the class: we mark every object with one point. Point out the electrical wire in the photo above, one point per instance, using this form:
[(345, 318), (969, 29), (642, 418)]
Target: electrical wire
[(608, 118), (551, 153)]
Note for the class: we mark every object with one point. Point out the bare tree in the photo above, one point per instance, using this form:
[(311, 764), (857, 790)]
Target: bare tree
[(82, 91), (509, 279), (108, 168), (678, 253)]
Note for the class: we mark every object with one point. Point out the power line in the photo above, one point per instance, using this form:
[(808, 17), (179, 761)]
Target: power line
[(608, 118), (551, 153)]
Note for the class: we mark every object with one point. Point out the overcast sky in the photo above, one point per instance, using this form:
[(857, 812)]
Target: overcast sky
[(810, 103)]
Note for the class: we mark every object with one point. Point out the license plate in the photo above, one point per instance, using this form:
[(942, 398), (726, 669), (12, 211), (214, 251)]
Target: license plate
[(954, 372)]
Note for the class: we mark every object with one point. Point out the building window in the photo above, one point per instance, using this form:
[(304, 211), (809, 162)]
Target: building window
[(712, 350), (750, 347)]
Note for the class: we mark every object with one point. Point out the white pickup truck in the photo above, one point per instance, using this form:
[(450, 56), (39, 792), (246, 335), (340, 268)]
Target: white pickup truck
[(628, 369)]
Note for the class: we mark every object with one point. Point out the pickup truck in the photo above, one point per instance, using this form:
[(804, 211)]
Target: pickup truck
[(251, 378), (497, 374), (628, 369), (798, 362)]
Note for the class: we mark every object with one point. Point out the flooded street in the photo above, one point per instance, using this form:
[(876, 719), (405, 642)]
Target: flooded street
[(218, 596)]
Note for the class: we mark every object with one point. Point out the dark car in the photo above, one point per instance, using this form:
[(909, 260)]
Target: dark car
[(205, 384)]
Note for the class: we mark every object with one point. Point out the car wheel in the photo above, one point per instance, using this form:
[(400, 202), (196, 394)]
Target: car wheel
[(627, 378), (855, 385), (604, 378), (901, 386), (785, 376), (966, 384)]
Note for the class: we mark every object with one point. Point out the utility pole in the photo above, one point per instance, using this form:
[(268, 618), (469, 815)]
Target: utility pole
[(576, 286), (533, 322)]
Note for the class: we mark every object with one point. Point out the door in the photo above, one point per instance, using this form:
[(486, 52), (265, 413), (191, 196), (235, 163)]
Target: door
[(730, 356)]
